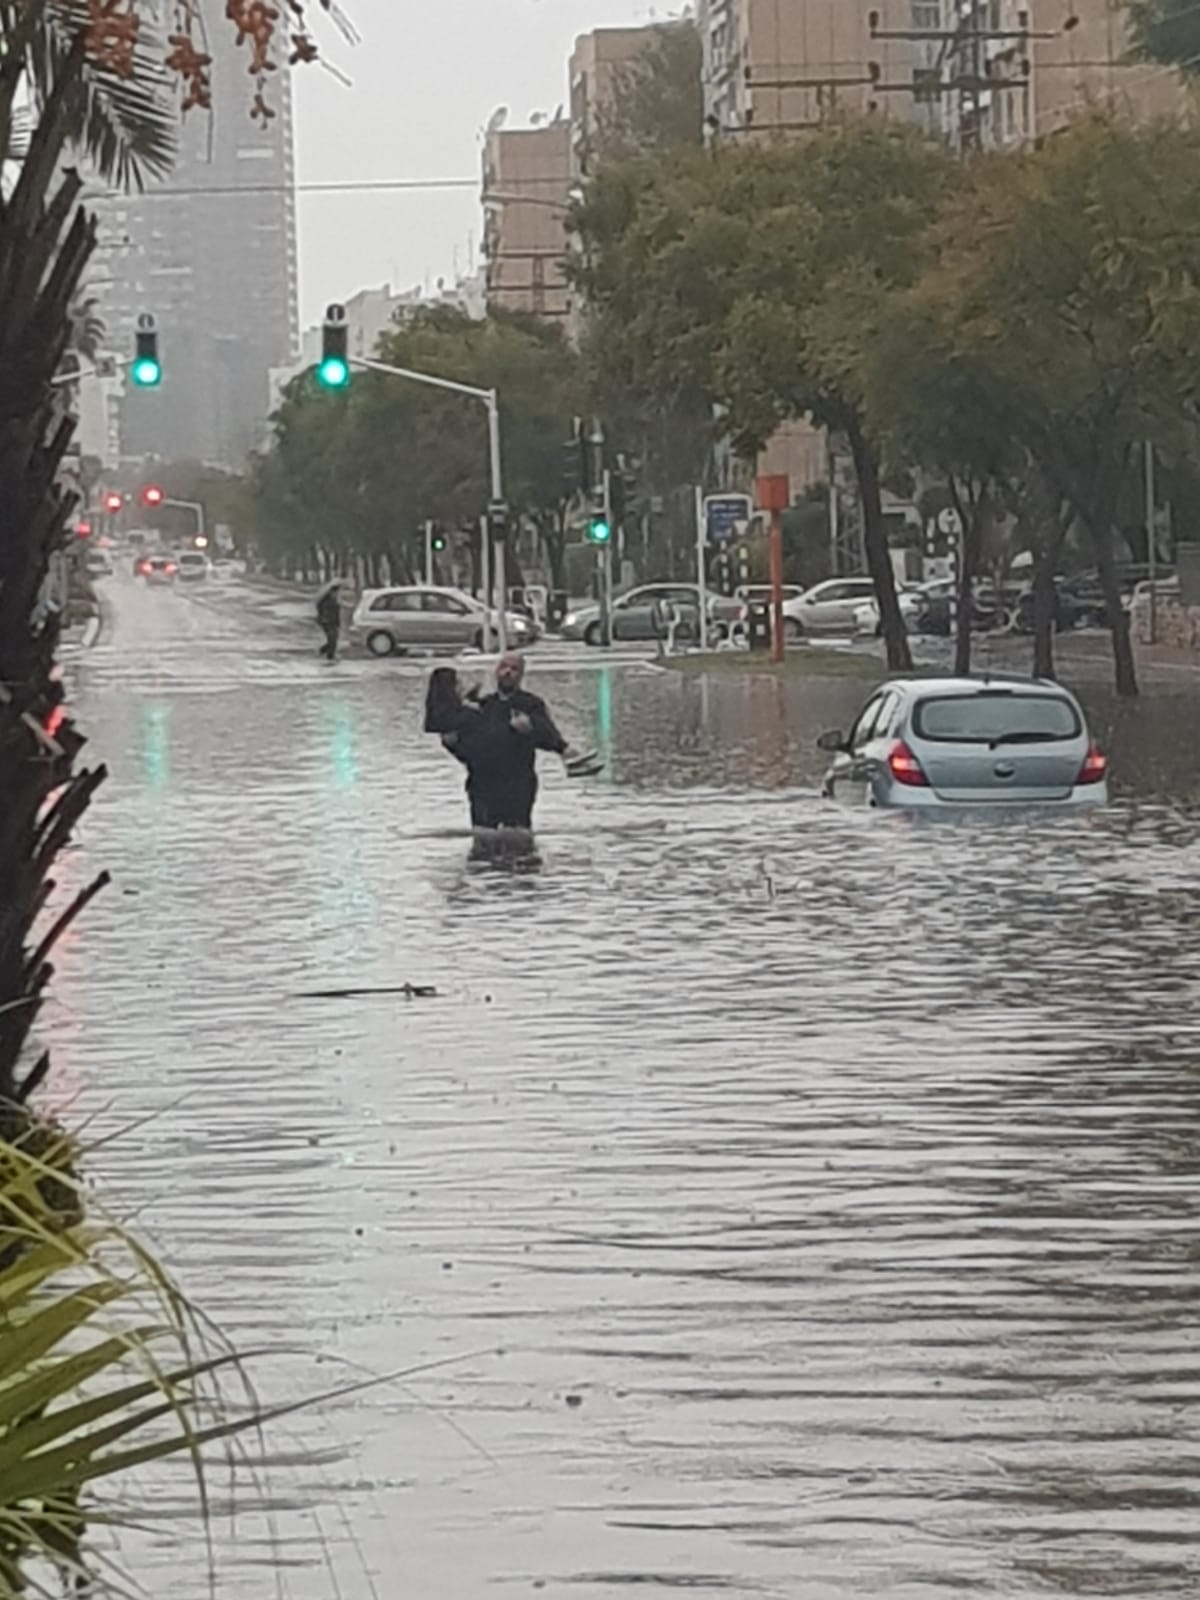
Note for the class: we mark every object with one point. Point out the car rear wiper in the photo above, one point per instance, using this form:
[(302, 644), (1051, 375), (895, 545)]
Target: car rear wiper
[(1026, 738)]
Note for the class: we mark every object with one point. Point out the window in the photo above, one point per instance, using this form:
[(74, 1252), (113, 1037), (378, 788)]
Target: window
[(398, 600), (444, 605), (885, 722), (997, 716), (864, 728), (927, 14)]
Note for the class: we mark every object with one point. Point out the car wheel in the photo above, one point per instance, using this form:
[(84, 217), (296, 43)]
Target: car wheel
[(593, 634), (792, 630), (381, 643)]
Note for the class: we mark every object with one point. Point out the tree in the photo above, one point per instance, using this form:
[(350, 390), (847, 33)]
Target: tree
[(755, 277), (1167, 31), (1069, 281)]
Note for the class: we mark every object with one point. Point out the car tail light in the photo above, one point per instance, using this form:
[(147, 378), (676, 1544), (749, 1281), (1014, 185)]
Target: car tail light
[(905, 767), (171, 567), (1094, 768)]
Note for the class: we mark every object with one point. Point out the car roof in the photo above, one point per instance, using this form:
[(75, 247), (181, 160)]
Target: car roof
[(977, 683), (419, 588)]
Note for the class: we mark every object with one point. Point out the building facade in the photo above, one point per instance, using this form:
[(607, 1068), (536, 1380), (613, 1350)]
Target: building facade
[(597, 63), (527, 175), (771, 68), (210, 252)]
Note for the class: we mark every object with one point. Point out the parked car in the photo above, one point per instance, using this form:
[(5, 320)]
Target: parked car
[(641, 614), (793, 594), (1088, 596), (992, 610), (923, 743), (194, 566), (911, 602), (1067, 610), (99, 564), (830, 607), (394, 621), (157, 570)]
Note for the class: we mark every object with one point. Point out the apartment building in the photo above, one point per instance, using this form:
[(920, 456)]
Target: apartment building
[(597, 63), (783, 66), (527, 176), (1037, 63)]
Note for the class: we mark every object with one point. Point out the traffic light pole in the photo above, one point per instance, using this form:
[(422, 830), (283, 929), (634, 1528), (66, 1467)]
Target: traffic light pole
[(429, 554), (492, 401)]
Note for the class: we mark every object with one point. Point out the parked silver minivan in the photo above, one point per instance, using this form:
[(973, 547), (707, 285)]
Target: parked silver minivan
[(921, 743)]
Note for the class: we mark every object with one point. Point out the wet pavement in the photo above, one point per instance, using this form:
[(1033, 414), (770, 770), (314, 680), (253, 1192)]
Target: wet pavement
[(800, 1203)]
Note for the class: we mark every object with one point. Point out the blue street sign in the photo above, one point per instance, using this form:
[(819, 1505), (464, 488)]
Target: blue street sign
[(723, 513)]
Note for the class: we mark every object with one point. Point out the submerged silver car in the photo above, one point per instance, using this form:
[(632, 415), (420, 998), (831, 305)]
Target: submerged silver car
[(921, 743)]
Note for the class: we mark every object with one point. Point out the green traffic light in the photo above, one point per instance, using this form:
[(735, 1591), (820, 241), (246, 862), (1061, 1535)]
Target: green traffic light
[(334, 372), (146, 372), (599, 531)]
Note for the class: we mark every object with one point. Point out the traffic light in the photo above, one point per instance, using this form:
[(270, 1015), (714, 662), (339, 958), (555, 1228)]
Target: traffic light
[(599, 528), (152, 495), (333, 371), (83, 528), (114, 501), (579, 457), (438, 543), (497, 521), (146, 369)]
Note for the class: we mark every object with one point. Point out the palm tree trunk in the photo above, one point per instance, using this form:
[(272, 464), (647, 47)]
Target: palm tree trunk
[(43, 252)]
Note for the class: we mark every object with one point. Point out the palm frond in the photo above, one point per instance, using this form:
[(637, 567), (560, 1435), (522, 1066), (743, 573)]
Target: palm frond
[(127, 126)]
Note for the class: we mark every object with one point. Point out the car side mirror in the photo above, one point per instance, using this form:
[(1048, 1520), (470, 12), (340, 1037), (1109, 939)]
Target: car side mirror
[(833, 741)]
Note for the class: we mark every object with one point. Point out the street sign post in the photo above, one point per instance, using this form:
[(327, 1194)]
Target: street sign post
[(774, 495), (726, 516)]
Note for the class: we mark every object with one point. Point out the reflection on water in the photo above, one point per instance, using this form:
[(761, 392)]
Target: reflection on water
[(804, 1201)]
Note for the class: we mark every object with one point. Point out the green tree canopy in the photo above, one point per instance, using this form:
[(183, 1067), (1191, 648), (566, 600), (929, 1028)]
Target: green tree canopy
[(1167, 31), (754, 278)]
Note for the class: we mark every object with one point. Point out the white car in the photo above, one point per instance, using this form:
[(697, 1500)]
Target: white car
[(830, 607), (866, 616), (757, 594), (394, 621), (194, 566)]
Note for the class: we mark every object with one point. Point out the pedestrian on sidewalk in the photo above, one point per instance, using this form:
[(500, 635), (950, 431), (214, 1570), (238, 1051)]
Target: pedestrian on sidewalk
[(329, 617)]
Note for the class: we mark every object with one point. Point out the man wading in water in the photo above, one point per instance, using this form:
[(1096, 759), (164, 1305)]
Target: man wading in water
[(497, 738)]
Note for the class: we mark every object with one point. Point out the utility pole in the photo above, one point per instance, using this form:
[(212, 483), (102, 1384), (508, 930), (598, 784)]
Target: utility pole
[(1151, 543)]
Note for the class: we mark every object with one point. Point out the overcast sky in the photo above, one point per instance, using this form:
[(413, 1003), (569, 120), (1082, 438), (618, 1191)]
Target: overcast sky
[(426, 78)]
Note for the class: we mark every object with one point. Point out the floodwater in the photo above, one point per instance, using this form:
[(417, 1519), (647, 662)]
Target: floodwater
[(774, 1201)]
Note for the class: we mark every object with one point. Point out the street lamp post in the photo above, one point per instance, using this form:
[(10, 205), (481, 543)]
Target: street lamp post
[(491, 400)]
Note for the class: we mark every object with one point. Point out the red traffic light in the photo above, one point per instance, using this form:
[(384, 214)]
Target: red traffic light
[(152, 495), (113, 500), (83, 529)]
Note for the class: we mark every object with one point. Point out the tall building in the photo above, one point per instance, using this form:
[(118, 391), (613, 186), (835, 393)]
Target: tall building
[(526, 192), (210, 252)]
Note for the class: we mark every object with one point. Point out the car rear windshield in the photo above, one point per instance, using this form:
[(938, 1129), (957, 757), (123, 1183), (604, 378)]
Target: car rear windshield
[(986, 718)]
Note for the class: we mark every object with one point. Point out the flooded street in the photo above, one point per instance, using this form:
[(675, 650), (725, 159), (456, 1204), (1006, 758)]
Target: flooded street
[(781, 1201)]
